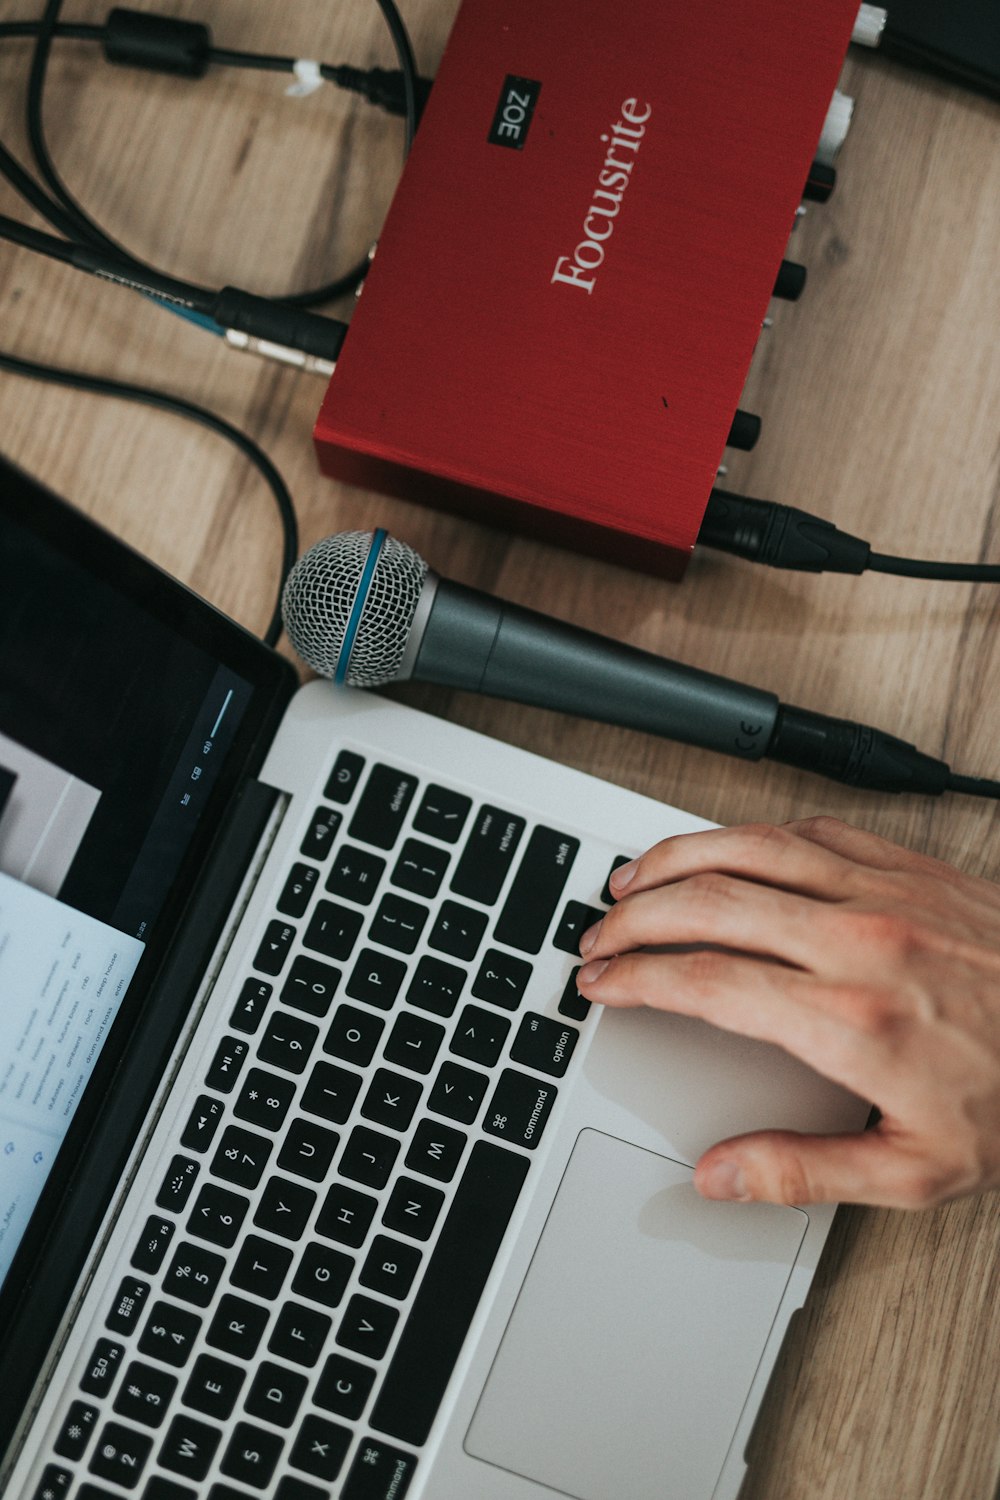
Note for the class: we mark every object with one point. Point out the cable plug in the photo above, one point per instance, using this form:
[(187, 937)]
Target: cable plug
[(380, 86), (782, 536)]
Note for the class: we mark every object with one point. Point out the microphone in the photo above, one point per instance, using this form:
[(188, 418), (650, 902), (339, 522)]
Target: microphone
[(365, 609)]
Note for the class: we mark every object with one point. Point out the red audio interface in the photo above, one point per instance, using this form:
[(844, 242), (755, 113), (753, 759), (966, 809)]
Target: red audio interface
[(560, 316)]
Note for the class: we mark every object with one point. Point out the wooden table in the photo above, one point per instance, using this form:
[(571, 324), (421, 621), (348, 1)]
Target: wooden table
[(879, 393)]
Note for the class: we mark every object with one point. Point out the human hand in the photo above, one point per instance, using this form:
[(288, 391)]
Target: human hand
[(878, 967)]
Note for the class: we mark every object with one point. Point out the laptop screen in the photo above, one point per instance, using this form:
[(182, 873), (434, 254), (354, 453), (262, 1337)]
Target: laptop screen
[(128, 713)]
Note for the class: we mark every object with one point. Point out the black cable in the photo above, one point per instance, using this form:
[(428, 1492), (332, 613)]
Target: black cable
[(145, 395), (974, 786), (782, 536), (88, 231)]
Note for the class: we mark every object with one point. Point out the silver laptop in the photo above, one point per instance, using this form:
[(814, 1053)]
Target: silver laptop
[(318, 1178)]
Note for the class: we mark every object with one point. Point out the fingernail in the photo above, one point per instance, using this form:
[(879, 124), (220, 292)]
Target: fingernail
[(589, 938), (592, 971), (621, 877), (723, 1180)]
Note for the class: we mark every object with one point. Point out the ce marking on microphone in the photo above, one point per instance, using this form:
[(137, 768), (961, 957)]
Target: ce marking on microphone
[(746, 741)]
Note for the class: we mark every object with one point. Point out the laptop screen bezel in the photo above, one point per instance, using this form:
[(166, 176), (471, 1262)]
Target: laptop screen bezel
[(26, 1305)]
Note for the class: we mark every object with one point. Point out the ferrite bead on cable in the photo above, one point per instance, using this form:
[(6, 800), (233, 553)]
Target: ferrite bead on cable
[(163, 44)]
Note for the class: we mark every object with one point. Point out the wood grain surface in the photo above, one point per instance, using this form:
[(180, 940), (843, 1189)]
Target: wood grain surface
[(879, 393)]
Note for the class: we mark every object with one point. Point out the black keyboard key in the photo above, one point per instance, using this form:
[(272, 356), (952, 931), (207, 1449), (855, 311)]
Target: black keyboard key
[(572, 1004), (287, 1042), (56, 1482), (276, 1394), (320, 1448), (321, 833), (436, 986), (217, 1215), (102, 1367), (202, 1123), (248, 1012), (241, 1156), (75, 1432), (442, 814), (435, 1150), (573, 923), (354, 1035), (535, 891), (616, 863), (128, 1305), (145, 1394), (193, 1275), (252, 1455), (237, 1327), (176, 1188), (189, 1447), (346, 1215), (391, 1099), (376, 978), (333, 930), (158, 1488), (169, 1334), (261, 1267), (343, 1386), (284, 1208), (153, 1243), (214, 1386), (300, 1333), (310, 986), (414, 1042), (308, 1150), (344, 777), (520, 1108), (291, 1488), (331, 1092), (121, 1455), (355, 874), (458, 930), (264, 1099), (480, 1035), (384, 803), (390, 1267), (378, 1472), (457, 1093), (367, 1326), (420, 868), (449, 1293), (229, 1058), (488, 854), (274, 947), (323, 1274), (398, 923), (544, 1044), (297, 890), (502, 979), (413, 1208), (369, 1157)]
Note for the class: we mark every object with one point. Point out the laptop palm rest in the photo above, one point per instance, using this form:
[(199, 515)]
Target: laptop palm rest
[(637, 1332)]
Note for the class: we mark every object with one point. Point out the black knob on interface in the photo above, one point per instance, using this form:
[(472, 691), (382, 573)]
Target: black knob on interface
[(745, 430), (791, 280)]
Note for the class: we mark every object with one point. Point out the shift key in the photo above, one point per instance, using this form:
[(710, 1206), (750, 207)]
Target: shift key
[(536, 888)]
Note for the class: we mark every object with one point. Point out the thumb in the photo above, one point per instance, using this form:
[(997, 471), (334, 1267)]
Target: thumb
[(780, 1166)]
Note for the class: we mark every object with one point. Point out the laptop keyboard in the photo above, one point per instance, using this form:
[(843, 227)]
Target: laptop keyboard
[(298, 1298)]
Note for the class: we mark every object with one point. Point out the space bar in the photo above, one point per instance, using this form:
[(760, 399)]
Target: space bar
[(449, 1294)]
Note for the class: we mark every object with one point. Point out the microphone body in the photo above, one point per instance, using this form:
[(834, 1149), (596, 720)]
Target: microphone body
[(365, 609), (469, 639)]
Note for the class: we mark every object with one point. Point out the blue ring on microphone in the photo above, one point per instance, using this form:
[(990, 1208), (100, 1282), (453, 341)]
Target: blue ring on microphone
[(360, 600)]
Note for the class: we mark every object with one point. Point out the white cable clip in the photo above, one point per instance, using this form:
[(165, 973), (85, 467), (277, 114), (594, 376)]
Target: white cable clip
[(308, 79)]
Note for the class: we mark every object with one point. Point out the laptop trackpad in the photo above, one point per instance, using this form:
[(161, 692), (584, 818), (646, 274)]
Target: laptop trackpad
[(636, 1334)]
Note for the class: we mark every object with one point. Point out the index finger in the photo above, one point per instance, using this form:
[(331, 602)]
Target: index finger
[(761, 852)]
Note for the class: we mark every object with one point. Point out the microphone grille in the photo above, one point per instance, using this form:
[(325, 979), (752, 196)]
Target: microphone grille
[(319, 595)]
